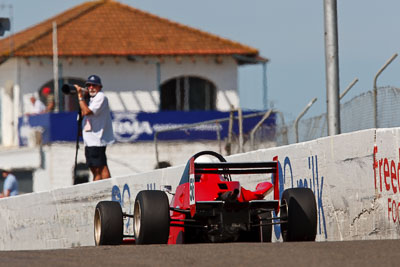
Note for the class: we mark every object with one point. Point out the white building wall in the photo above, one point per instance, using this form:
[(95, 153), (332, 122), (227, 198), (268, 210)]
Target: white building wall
[(120, 75), (9, 72), (9, 106), (123, 81), (53, 165), (7, 116), (56, 169), (130, 85)]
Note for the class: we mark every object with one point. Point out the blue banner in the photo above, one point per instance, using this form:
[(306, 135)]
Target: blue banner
[(140, 126)]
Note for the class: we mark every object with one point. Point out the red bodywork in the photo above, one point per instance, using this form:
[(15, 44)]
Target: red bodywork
[(212, 187)]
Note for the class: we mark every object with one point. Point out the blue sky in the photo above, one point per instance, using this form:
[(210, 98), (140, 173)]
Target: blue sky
[(290, 33)]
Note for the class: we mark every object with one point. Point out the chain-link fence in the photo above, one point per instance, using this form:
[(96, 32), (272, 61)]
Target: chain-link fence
[(355, 114), (240, 132)]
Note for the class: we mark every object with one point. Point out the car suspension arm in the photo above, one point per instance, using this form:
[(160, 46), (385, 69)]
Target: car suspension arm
[(179, 210)]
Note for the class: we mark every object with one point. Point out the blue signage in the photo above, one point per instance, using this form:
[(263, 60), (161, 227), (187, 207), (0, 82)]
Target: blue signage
[(140, 126)]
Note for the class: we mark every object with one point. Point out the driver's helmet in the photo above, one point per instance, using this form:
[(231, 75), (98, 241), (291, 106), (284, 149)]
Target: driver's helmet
[(205, 159)]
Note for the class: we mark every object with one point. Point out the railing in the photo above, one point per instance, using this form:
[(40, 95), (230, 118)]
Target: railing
[(218, 122)]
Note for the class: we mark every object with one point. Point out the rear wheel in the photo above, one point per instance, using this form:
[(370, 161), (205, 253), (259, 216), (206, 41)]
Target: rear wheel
[(299, 207), (108, 223), (151, 217)]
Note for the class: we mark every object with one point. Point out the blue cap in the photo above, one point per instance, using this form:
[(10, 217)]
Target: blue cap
[(93, 79)]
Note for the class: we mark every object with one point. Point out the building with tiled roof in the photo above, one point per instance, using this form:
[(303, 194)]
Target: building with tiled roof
[(147, 63), (109, 28)]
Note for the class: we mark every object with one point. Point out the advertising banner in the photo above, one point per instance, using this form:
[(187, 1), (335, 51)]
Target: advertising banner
[(142, 126)]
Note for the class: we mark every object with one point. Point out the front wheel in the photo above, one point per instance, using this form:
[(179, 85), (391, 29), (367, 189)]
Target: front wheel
[(108, 223), (299, 211), (151, 217)]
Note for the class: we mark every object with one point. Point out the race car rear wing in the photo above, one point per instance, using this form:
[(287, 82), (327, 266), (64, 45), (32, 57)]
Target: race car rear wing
[(233, 168)]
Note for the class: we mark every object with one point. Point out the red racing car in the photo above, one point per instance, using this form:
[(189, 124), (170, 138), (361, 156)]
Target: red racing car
[(209, 207)]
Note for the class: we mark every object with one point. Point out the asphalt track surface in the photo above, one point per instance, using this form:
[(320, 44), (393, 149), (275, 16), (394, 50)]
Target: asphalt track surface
[(338, 254)]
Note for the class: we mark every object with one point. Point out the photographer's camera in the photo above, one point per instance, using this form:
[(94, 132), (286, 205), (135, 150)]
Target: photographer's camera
[(70, 89)]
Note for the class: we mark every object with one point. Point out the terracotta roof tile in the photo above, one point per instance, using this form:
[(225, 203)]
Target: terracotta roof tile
[(110, 28)]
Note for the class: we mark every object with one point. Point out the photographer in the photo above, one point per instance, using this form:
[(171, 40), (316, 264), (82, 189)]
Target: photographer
[(97, 131)]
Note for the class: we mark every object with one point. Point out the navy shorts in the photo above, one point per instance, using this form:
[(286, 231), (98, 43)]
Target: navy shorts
[(95, 156)]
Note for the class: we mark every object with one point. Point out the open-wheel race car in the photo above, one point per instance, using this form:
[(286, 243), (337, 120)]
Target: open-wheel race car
[(208, 206)]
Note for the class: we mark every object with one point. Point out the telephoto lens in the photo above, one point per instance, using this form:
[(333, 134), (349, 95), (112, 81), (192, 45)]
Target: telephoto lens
[(68, 89)]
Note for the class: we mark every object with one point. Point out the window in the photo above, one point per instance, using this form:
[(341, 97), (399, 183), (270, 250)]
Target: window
[(188, 93), (24, 178), (67, 102)]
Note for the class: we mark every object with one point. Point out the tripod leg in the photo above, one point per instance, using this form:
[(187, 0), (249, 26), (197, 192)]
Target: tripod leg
[(79, 120)]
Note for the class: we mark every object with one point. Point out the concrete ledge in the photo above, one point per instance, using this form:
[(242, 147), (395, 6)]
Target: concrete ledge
[(355, 178), (24, 158)]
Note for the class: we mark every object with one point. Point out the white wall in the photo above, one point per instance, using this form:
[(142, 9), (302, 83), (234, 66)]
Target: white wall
[(63, 218), (133, 158), (8, 77), (119, 74), (339, 169), (124, 81)]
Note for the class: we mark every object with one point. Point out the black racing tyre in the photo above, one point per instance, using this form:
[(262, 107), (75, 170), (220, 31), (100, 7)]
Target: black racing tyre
[(108, 223), (298, 205), (151, 217)]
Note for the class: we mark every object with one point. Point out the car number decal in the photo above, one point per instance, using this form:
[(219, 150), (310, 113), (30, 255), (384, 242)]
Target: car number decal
[(191, 190)]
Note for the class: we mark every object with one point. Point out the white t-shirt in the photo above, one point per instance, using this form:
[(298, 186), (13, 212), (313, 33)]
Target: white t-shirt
[(38, 107), (97, 127)]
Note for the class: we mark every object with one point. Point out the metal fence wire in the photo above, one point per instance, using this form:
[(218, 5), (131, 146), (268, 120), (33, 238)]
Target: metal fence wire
[(355, 114), (231, 135)]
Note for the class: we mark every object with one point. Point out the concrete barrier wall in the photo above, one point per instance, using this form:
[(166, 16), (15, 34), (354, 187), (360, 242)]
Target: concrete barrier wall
[(63, 218), (339, 171), (355, 178)]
